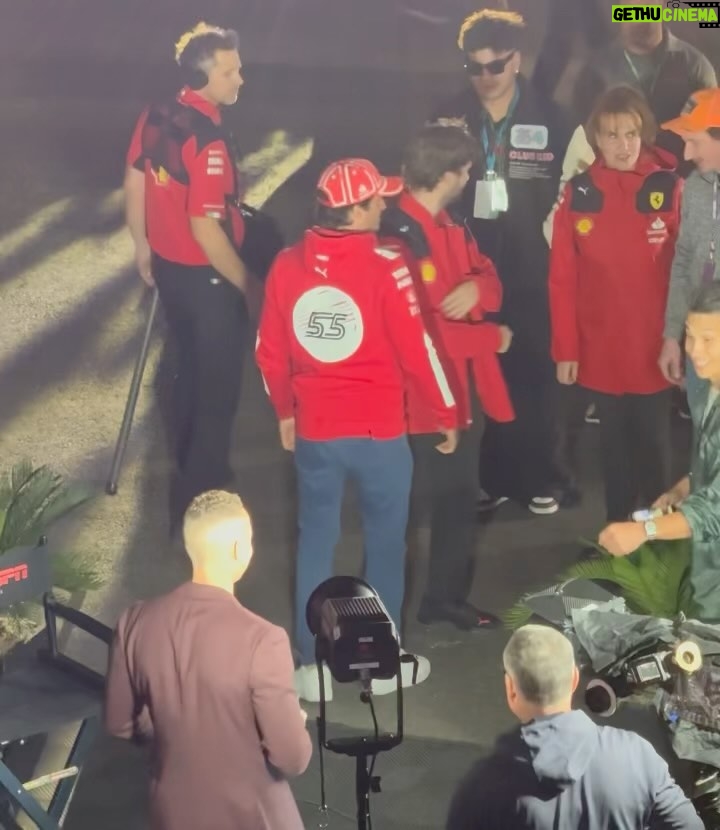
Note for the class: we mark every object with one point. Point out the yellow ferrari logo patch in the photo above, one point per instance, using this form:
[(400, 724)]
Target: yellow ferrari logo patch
[(428, 272), (584, 226), (162, 177), (657, 199)]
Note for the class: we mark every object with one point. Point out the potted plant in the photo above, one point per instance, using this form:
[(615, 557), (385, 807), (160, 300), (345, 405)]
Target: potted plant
[(652, 581), (31, 500)]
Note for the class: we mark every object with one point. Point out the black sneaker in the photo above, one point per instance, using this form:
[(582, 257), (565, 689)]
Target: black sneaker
[(486, 503), (464, 616)]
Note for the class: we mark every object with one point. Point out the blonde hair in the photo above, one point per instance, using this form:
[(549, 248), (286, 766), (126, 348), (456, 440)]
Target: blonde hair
[(207, 519), (493, 20), (199, 29)]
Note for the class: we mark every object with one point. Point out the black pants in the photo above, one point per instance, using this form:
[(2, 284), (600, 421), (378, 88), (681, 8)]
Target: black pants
[(525, 458), (635, 436), (447, 486), (207, 317)]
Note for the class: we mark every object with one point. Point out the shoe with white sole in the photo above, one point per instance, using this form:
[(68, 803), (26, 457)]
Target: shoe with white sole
[(387, 687), (543, 505), (307, 683)]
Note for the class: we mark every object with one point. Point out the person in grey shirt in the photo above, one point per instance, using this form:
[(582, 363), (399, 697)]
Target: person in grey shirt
[(559, 770), (648, 57), (698, 245)]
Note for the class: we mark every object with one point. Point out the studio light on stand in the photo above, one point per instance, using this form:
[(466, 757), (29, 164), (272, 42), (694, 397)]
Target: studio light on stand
[(357, 639)]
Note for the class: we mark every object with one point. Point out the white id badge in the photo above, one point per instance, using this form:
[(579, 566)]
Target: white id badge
[(498, 195), (483, 208)]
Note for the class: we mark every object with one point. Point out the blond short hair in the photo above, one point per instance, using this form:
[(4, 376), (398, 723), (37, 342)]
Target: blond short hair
[(208, 516), (541, 662)]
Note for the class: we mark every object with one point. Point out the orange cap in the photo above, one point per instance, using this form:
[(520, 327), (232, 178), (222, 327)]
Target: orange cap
[(701, 112)]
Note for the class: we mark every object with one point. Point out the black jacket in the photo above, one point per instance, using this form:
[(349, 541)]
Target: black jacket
[(531, 165), (566, 773)]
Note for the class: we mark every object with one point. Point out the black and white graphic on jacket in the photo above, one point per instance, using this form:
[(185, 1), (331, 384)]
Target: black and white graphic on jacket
[(328, 324)]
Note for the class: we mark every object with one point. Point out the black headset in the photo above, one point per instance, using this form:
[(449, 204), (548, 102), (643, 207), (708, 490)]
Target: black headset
[(193, 76)]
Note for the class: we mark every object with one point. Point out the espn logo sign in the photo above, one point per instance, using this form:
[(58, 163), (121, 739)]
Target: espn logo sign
[(17, 573)]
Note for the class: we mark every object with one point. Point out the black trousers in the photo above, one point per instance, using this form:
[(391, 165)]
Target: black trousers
[(635, 437), (208, 319), (446, 489), (526, 457)]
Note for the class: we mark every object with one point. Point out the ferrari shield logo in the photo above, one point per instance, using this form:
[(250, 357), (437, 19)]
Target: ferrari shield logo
[(657, 199), (428, 271), (584, 226)]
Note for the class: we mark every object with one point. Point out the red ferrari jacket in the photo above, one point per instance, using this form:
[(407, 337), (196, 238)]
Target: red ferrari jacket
[(189, 170), (340, 337), (450, 258), (613, 243)]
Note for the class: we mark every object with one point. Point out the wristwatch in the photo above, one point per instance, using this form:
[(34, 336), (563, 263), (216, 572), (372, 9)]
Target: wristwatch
[(650, 530)]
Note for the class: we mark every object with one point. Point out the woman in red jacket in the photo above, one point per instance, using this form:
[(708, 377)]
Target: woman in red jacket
[(613, 243)]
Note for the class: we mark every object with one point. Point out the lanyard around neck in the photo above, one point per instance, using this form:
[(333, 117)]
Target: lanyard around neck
[(498, 135), (633, 69)]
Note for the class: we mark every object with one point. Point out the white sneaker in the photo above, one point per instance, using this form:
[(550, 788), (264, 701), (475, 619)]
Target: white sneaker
[(307, 683), (543, 505), (387, 687)]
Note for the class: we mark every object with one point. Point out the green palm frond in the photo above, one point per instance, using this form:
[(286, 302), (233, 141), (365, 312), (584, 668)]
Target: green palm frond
[(72, 575), (653, 580), (31, 499)]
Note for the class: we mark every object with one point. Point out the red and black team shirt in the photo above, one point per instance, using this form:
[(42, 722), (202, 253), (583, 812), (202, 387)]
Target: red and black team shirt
[(189, 171)]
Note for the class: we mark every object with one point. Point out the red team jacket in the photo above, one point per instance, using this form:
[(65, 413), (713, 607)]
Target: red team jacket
[(340, 336), (613, 244), (463, 345), (189, 171)]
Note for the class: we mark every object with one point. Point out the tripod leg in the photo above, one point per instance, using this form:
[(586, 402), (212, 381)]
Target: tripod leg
[(121, 446), (362, 791)]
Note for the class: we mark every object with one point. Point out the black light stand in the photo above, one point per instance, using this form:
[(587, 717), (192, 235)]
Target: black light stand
[(365, 749)]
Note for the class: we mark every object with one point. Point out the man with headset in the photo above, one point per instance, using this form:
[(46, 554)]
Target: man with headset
[(182, 209)]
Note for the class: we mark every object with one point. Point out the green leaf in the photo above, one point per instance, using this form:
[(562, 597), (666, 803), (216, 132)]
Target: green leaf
[(654, 580), (72, 575), (516, 616), (32, 499)]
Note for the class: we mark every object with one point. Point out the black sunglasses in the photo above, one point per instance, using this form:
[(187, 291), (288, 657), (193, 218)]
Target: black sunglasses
[(496, 67)]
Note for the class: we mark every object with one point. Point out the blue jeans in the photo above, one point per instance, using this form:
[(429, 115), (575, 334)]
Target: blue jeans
[(382, 471)]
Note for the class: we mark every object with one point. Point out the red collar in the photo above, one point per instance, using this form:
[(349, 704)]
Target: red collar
[(410, 205), (193, 99)]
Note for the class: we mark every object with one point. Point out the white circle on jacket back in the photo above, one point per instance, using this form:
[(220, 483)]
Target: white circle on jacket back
[(328, 324)]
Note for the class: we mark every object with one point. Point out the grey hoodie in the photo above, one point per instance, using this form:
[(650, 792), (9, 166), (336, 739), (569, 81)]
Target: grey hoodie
[(692, 249), (566, 773)]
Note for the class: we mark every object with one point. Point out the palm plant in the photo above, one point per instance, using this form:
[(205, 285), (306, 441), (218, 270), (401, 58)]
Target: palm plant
[(31, 499), (653, 580)]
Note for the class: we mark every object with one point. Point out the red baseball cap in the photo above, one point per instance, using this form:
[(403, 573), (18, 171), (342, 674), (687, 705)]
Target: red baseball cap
[(351, 181)]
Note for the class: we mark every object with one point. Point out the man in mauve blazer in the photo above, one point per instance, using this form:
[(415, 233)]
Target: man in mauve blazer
[(210, 684)]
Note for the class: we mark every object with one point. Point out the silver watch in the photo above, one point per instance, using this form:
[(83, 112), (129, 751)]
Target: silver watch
[(651, 530)]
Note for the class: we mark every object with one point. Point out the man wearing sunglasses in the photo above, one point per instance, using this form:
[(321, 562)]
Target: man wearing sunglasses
[(523, 140)]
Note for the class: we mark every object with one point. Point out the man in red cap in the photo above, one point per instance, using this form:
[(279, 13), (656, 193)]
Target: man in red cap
[(696, 249), (341, 337)]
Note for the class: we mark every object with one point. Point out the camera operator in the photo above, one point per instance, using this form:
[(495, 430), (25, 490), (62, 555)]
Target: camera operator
[(211, 685), (559, 770), (695, 499), (182, 195)]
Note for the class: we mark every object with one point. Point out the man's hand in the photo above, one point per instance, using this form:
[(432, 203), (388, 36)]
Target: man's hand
[(674, 496), (670, 361), (622, 538), (143, 262), (506, 338), (567, 372), (461, 300), (449, 445), (287, 434)]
